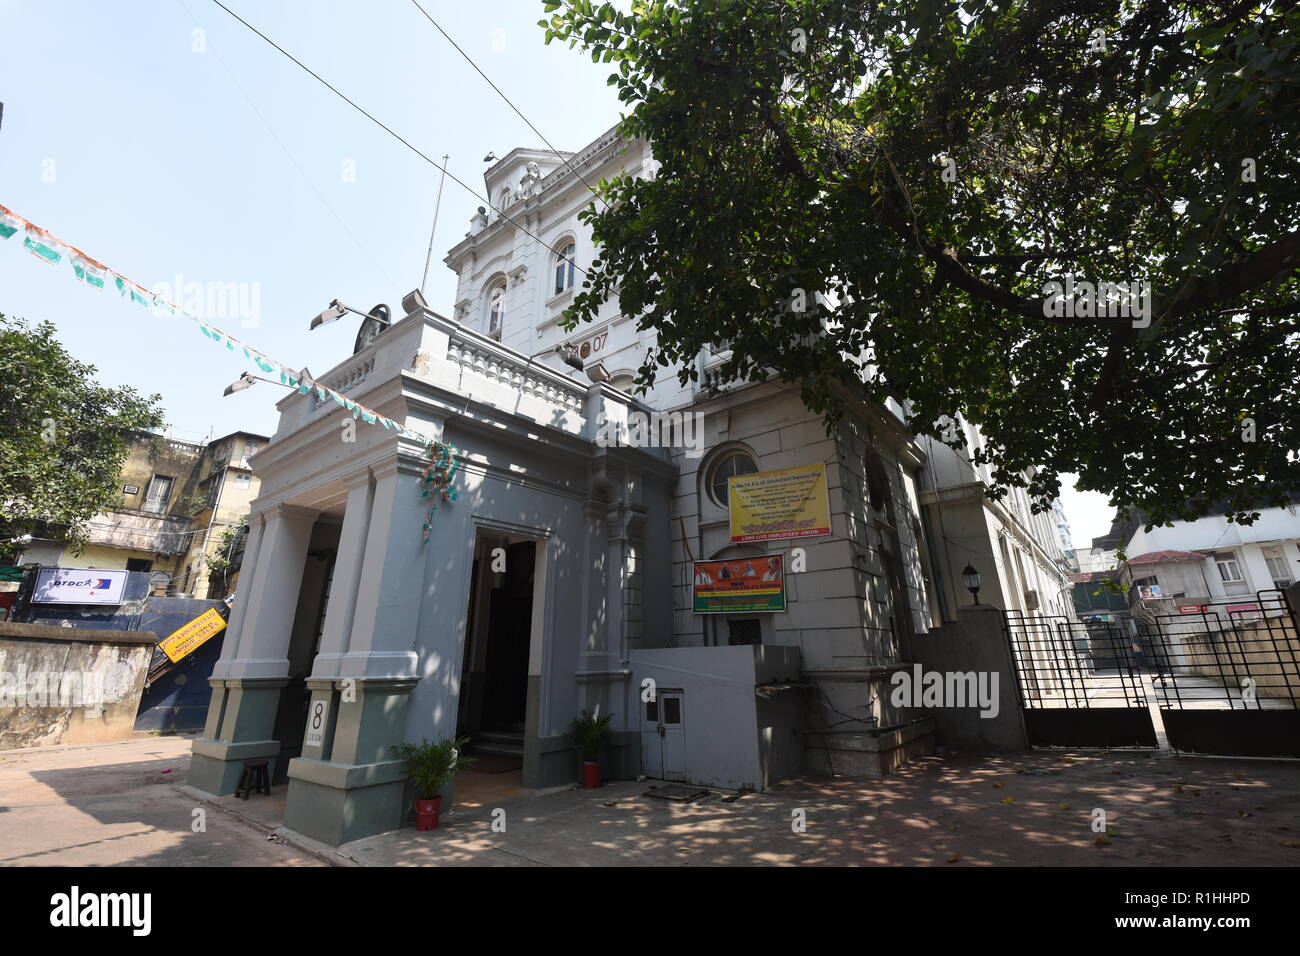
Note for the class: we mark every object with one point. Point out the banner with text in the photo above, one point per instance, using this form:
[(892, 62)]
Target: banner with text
[(188, 639), (738, 586), (77, 586), (791, 503)]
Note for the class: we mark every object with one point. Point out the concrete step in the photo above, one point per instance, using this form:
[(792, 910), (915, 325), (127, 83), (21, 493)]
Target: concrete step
[(501, 743)]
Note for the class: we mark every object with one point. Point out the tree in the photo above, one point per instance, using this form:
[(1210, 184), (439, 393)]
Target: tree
[(920, 172), (63, 437)]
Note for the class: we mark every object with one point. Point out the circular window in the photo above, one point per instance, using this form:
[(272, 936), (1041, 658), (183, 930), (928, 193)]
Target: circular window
[(736, 463)]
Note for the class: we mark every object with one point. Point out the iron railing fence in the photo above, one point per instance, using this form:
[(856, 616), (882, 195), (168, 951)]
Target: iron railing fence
[(1227, 654)]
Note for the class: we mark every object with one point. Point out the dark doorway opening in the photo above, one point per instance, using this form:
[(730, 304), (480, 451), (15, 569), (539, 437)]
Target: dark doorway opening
[(309, 620), (494, 671), (510, 617)]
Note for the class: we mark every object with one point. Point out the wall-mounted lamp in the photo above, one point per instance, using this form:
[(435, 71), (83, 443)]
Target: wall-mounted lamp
[(569, 355), (248, 380), (335, 312), (972, 579)]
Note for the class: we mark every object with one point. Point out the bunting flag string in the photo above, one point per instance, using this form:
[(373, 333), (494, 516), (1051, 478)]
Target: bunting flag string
[(438, 477)]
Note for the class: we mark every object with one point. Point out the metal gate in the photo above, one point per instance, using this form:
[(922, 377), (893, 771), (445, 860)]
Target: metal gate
[(1216, 678), (1077, 683), (1227, 676)]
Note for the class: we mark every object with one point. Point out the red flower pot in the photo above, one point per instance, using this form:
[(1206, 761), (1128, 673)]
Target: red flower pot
[(590, 775), (426, 813)]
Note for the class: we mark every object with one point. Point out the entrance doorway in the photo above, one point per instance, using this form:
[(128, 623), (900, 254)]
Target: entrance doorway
[(493, 706), (663, 736)]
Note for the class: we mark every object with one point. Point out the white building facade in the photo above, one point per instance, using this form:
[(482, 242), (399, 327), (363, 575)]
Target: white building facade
[(1019, 554), (560, 580), (1237, 561)]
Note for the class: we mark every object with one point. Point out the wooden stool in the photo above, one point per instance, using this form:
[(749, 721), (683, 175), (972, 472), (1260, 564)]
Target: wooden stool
[(255, 774)]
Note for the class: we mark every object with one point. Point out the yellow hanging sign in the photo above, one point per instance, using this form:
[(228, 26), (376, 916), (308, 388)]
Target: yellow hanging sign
[(192, 636), (791, 503)]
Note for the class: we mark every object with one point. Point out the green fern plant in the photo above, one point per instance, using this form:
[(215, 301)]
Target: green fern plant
[(588, 733), (431, 765)]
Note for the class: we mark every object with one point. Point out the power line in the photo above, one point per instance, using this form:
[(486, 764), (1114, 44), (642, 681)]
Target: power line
[(471, 62), (389, 130)]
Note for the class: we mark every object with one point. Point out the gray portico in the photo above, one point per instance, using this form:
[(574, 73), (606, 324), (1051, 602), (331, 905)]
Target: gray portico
[(353, 633)]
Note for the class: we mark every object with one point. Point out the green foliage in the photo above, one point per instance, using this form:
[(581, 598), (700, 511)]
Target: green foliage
[(588, 734), (431, 766), (63, 438), (229, 556), (822, 169)]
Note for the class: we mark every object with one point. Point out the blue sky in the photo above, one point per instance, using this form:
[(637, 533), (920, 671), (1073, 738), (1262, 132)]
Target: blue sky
[(122, 139), (167, 153)]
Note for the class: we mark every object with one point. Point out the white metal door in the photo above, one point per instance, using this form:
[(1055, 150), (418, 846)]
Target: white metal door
[(671, 707), (652, 747)]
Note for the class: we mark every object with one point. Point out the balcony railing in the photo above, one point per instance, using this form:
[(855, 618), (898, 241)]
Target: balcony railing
[(477, 354)]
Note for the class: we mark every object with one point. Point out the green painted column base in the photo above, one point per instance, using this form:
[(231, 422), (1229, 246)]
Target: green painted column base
[(241, 723), (557, 763), (337, 803), (215, 765), (622, 755)]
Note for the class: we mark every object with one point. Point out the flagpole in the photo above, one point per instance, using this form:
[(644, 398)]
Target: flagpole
[(436, 204)]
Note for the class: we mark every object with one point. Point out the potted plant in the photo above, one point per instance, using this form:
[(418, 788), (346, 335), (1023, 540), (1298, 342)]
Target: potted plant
[(588, 734), (430, 767)]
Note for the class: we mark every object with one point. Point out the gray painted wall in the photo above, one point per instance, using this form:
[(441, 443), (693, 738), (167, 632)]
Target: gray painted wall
[(977, 642), (733, 739)]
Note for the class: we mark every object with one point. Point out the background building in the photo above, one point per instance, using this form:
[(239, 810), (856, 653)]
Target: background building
[(175, 500), (1178, 568), (1018, 552), (212, 561)]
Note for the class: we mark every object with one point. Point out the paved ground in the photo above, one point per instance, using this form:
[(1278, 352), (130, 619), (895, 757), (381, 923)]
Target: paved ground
[(1027, 809), (112, 803), (115, 804)]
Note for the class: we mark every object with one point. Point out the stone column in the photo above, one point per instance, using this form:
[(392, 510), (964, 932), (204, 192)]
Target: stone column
[(239, 610), (352, 786), (255, 657), (388, 601), (325, 696), (273, 594), (347, 577)]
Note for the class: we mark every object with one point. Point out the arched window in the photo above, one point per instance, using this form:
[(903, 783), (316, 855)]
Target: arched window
[(496, 310), (731, 464), (564, 267)]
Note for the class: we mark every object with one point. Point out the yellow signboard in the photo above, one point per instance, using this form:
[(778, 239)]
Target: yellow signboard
[(193, 635), (791, 503)]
